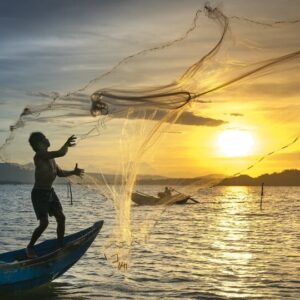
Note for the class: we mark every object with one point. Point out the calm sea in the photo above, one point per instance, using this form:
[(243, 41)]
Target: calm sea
[(223, 248)]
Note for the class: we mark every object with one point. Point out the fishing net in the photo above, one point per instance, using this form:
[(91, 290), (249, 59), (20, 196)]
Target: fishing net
[(176, 94)]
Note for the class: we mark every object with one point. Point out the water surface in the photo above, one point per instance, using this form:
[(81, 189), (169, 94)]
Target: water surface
[(224, 247)]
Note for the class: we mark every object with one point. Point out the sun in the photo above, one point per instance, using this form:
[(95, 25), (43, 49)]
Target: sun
[(234, 143)]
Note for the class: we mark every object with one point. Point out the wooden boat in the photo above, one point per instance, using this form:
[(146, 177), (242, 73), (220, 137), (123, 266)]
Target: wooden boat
[(144, 199), (17, 272)]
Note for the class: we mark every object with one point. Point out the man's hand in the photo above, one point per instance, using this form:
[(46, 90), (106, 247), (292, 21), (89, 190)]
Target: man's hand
[(71, 141), (78, 172)]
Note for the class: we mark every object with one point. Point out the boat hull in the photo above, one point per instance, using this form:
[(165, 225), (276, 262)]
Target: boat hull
[(17, 272), (141, 199)]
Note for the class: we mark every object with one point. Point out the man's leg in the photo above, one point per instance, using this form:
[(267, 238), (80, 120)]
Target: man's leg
[(60, 219), (57, 211), (36, 234)]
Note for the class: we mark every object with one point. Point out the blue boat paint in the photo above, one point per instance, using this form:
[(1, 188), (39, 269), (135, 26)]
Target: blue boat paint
[(17, 272)]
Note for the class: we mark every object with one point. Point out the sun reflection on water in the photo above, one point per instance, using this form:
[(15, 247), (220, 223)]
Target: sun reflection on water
[(232, 240)]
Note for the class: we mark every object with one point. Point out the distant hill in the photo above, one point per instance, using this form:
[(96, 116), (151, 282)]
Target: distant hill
[(284, 178), (14, 173), (24, 174), (167, 181), (19, 174)]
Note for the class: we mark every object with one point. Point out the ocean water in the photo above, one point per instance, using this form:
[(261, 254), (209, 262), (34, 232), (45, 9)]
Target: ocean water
[(223, 248)]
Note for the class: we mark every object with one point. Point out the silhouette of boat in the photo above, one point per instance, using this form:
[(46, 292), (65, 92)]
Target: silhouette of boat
[(144, 199), (17, 272)]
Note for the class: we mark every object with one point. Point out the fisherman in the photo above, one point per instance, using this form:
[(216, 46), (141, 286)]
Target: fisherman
[(166, 193), (44, 199)]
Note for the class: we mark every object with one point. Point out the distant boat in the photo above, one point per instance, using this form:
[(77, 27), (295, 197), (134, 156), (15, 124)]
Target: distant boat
[(17, 272), (144, 199)]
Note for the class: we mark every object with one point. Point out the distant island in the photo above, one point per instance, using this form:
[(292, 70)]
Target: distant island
[(24, 174), (284, 178)]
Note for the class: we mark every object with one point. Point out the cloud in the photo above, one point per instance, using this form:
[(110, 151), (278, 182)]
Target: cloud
[(186, 118), (79, 106), (236, 114)]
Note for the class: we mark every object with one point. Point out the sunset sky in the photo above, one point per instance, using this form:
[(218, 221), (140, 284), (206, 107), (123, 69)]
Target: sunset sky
[(61, 45)]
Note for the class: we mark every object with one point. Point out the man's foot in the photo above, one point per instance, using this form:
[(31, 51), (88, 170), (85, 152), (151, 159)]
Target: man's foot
[(60, 245), (30, 252)]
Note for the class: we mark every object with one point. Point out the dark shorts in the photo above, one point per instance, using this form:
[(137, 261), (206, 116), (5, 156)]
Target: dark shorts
[(45, 202)]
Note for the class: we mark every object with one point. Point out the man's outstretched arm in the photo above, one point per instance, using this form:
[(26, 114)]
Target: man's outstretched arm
[(71, 141), (63, 173)]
